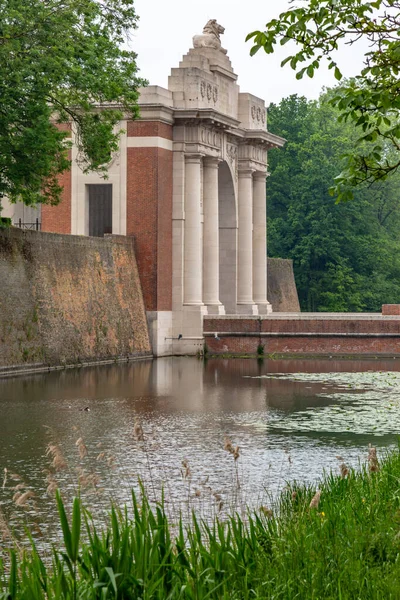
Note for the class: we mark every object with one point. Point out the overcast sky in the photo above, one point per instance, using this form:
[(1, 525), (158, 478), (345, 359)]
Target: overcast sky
[(166, 28)]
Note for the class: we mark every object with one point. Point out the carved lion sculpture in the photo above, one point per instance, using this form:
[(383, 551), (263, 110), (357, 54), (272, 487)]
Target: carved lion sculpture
[(210, 37)]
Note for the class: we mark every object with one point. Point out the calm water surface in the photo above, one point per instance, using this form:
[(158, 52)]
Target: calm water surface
[(290, 419)]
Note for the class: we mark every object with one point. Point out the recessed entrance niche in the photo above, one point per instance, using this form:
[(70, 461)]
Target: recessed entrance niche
[(100, 208)]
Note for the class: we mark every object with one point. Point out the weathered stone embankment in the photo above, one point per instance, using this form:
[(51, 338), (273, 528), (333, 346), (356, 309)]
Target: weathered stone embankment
[(68, 300)]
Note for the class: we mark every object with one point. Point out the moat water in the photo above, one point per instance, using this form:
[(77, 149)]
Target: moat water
[(291, 419)]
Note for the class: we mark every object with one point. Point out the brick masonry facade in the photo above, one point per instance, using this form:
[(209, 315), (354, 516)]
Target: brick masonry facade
[(57, 219), (306, 335), (149, 129), (149, 220), (148, 211)]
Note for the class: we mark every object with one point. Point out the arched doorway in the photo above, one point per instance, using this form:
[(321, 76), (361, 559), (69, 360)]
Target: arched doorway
[(227, 238)]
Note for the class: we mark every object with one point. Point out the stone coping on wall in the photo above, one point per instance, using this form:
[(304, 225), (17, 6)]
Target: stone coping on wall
[(307, 317)]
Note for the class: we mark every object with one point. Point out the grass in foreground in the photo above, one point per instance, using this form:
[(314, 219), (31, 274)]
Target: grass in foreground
[(342, 541)]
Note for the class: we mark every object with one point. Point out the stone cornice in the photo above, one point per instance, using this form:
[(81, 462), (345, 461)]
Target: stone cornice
[(208, 115), (259, 136), (156, 112), (214, 68)]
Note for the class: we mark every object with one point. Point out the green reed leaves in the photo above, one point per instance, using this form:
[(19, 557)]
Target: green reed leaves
[(342, 541)]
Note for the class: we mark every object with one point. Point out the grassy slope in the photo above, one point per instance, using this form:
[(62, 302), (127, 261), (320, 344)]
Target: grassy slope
[(346, 548)]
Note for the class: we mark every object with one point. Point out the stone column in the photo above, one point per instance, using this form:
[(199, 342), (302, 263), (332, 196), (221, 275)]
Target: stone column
[(193, 287), (211, 237), (245, 304), (260, 243)]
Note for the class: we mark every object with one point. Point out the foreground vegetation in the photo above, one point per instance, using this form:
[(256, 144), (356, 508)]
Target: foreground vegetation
[(341, 541)]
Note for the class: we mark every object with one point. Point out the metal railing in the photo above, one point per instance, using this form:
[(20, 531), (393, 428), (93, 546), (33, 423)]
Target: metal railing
[(33, 226)]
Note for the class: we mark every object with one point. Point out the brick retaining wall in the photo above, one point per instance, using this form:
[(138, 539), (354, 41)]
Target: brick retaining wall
[(305, 334), (68, 299)]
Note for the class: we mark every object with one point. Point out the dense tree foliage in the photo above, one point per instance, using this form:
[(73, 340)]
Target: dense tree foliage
[(372, 99), (60, 60), (346, 255)]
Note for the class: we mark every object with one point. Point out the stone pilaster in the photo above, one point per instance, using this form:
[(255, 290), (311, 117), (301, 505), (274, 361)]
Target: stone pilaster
[(211, 237), (193, 287), (245, 303), (260, 243)]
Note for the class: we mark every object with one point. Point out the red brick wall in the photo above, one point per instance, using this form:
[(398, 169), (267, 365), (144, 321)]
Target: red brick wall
[(149, 219), (321, 336), (164, 230), (391, 309), (149, 129), (57, 219)]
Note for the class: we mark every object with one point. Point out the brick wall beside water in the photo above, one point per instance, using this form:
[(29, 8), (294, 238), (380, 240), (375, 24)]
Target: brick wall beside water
[(305, 334), (68, 299)]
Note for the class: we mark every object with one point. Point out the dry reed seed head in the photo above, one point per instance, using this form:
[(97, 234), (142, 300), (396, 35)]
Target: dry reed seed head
[(315, 500), (236, 453), (4, 529), (267, 511), (23, 498), (228, 446), (217, 497), (197, 493), (111, 461), (20, 486), (58, 460), (16, 496), (101, 456), (82, 449), (138, 431), (5, 477), (373, 462), (344, 471), (340, 458), (220, 505), (88, 479), (294, 495), (52, 485), (290, 459), (186, 472)]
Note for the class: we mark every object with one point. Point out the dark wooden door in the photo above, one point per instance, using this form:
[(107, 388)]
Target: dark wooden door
[(100, 209)]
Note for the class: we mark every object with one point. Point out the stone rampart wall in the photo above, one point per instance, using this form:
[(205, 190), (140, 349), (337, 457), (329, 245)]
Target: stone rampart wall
[(282, 292), (69, 299)]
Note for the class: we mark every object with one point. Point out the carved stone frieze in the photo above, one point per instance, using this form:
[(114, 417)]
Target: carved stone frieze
[(258, 114), (253, 152), (208, 92), (210, 137), (232, 156), (204, 135)]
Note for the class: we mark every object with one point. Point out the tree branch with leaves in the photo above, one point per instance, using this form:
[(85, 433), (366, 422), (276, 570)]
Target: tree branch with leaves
[(62, 61), (371, 100)]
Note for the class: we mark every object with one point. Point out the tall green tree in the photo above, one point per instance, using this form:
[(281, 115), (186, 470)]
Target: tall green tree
[(61, 61), (314, 30), (346, 255)]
